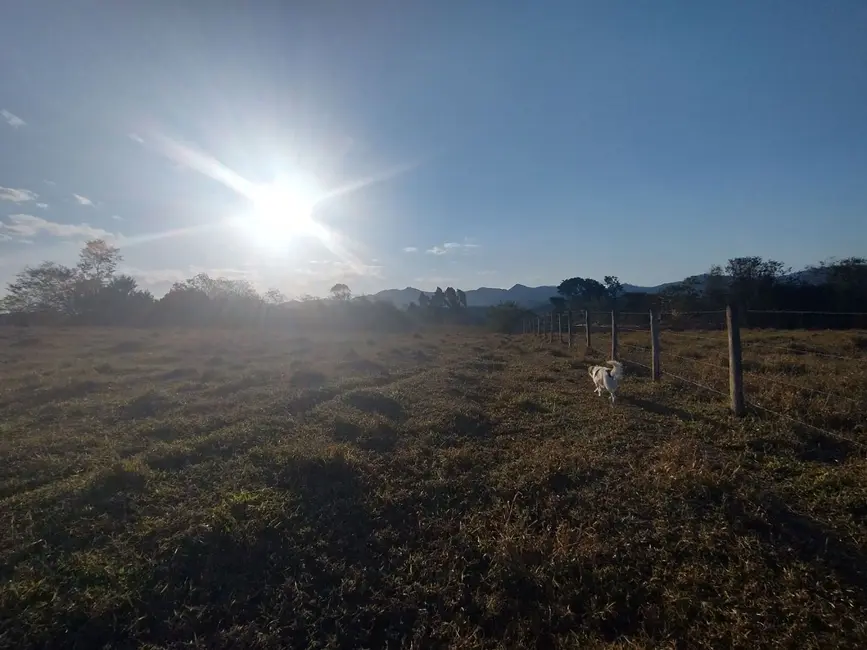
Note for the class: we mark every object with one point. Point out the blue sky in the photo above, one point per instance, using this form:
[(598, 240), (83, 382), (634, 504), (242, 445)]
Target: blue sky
[(479, 143)]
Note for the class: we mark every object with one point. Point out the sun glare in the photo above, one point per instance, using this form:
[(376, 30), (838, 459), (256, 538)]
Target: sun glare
[(282, 211)]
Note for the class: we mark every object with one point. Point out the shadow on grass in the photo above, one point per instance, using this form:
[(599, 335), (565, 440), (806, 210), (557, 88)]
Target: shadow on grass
[(789, 537), (309, 567), (382, 438), (85, 519), (665, 409), (371, 402), (809, 447), (22, 400)]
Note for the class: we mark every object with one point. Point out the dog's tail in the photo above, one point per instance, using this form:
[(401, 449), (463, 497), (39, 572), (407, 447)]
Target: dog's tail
[(617, 369)]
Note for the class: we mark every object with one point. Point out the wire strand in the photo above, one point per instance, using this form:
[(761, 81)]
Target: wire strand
[(696, 361), (693, 337), (636, 347), (793, 351), (816, 313), (780, 382), (694, 383), (806, 424)]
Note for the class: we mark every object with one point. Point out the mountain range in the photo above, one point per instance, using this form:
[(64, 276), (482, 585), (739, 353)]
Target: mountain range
[(487, 296), (534, 296)]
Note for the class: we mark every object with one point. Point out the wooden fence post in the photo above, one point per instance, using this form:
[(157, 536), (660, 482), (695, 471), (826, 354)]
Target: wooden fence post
[(736, 374), (551, 327), (656, 371), (560, 327), (613, 335), (538, 327), (569, 325), (587, 327)]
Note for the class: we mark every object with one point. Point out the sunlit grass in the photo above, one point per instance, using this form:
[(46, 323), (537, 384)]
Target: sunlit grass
[(250, 489)]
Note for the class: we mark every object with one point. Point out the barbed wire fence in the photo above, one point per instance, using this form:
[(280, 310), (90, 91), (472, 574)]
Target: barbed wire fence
[(756, 371)]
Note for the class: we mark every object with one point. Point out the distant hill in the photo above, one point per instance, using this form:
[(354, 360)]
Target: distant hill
[(535, 296), (487, 296)]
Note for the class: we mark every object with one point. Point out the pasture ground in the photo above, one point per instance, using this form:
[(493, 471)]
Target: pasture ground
[(441, 489)]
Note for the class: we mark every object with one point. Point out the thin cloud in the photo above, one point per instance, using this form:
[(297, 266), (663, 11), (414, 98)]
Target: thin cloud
[(17, 195), (341, 268), (27, 225), (410, 249), (82, 200), (135, 137), (12, 120), (43, 206), (449, 247), (170, 276), (117, 217)]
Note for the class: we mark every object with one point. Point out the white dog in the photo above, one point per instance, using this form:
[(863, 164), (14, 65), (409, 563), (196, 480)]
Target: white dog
[(607, 378)]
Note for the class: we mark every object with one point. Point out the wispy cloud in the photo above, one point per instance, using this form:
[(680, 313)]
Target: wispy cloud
[(449, 247), (410, 249), (43, 206), (12, 120), (117, 217), (155, 277), (340, 268), (27, 225), (17, 195), (135, 137), (82, 200)]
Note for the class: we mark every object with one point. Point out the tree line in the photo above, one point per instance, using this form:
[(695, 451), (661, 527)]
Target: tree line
[(754, 284), (93, 292)]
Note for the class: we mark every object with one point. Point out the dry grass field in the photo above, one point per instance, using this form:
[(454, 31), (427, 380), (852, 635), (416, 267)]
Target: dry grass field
[(204, 489)]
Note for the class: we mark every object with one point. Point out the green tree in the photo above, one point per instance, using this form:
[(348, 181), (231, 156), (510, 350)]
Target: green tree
[(97, 262), (49, 287), (753, 280), (506, 317), (613, 287), (452, 300), (341, 292), (274, 297), (438, 299), (558, 303)]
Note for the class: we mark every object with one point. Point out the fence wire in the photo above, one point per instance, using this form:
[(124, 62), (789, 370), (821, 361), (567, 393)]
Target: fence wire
[(751, 378)]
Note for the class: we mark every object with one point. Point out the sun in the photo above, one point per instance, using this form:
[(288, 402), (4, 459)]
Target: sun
[(282, 211)]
